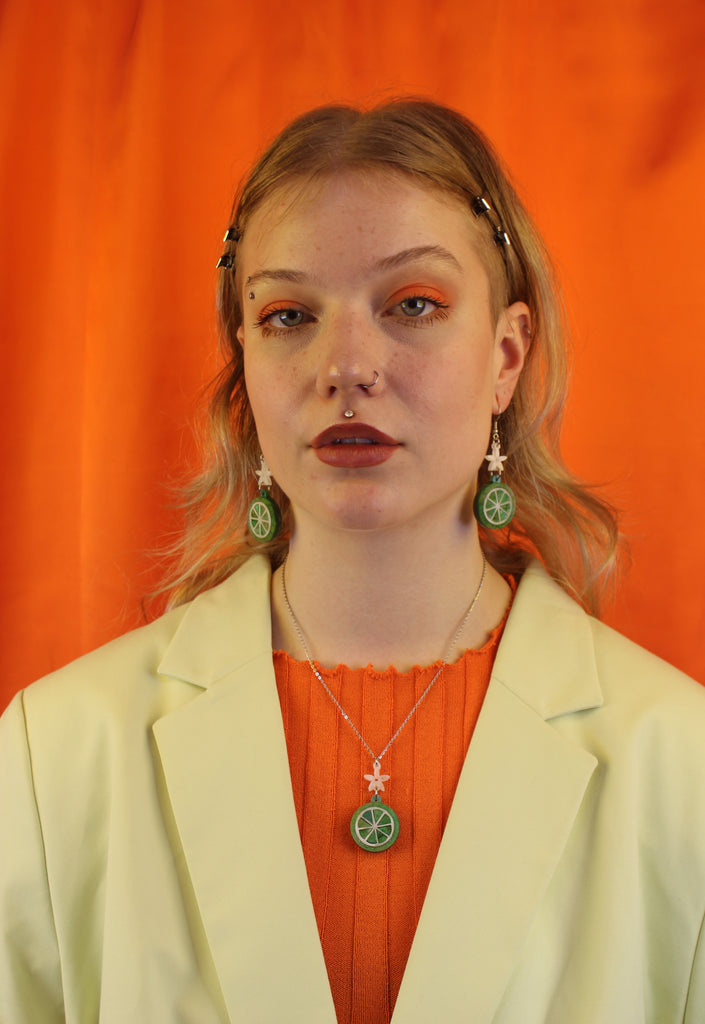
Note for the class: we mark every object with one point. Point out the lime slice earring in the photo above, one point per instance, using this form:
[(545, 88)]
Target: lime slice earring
[(264, 518), (495, 503)]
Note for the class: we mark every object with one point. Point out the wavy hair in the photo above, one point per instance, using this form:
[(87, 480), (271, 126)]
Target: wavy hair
[(571, 529)]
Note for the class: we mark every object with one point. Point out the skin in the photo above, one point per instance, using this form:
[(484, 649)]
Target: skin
[(363, 274)]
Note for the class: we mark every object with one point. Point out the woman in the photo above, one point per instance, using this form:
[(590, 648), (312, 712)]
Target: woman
[(377, 763)]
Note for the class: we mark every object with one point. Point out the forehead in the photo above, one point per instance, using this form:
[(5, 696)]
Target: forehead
[(357, 215)]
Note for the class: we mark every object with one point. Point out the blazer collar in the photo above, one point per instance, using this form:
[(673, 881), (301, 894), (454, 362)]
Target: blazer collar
[(225, 762), (547, 655), (223, 628), (226, 773), (517, 799)]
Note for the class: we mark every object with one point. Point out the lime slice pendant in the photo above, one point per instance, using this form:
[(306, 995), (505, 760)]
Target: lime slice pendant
[(374, 826), (263, 517)]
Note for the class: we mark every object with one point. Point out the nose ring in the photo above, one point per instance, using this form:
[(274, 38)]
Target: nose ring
[(366, 387)]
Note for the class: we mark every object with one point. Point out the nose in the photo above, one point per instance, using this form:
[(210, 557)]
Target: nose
[(350, 362)]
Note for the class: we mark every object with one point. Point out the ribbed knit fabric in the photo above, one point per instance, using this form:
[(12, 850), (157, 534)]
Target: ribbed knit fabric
[(367, 905)]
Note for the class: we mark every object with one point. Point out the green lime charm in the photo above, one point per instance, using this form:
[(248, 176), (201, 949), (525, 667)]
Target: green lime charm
[(374, 826), (263, 517), (495, 504)]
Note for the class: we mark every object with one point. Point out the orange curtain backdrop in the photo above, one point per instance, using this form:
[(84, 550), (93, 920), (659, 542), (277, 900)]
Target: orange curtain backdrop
[(124, 127)]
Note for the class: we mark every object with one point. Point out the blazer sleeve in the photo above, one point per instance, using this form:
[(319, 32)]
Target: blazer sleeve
[(695, 1006), (30, 969)]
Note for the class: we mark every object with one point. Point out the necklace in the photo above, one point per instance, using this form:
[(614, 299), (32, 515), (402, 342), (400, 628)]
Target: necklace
[(374, 826)]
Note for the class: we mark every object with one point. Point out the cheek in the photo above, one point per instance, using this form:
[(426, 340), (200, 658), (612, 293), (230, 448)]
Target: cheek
[(273, 395), (259, 391), (450, 390)]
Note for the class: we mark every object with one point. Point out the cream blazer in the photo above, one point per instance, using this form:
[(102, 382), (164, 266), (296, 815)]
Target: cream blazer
[(151, 868)]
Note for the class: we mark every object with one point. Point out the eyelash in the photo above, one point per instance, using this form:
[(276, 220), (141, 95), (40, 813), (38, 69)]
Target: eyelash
[(439, 312), (267, 328)]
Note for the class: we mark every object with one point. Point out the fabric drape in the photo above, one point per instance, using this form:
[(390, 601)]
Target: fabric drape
[(125, 126)]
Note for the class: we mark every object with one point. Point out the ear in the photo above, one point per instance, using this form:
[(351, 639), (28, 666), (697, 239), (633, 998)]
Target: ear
[(511, 344), (241, 336)]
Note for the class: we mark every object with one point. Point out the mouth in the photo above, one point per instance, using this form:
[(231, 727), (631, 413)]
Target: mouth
[(349, 434), (358, 446)]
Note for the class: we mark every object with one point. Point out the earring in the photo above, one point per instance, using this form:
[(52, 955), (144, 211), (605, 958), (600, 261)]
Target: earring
[(495, 504), (264, 518)]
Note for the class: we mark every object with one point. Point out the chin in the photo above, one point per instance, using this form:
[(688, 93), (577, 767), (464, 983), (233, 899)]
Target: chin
[(362, 508)]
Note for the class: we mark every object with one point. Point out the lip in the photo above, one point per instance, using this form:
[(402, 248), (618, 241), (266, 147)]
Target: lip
[(335, 446), (343, 431)]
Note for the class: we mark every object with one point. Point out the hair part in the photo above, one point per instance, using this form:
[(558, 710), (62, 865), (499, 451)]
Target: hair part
[(559, 519)]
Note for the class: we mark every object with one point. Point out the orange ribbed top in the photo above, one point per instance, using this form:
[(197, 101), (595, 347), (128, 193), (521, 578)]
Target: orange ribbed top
[(367, 905)]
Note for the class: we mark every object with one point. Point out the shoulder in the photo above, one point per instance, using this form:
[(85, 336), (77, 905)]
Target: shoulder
[(146, 672), (642, 719), (560, 651)]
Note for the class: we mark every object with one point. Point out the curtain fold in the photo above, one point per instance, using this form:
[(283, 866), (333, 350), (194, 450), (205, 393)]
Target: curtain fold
[(125, 126)]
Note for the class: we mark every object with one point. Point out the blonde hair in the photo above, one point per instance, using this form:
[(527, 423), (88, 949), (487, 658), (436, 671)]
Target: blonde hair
[(559, 519)]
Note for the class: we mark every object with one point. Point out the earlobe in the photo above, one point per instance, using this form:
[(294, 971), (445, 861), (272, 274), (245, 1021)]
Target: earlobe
[(241, 336), (512, 340)]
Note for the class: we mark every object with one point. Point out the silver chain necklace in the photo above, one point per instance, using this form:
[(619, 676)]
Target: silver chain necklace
[(374, 826)]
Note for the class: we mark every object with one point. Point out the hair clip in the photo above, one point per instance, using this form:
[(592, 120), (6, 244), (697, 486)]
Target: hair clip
[(226, 261), (481, 208), (501, 237), (232, 234)]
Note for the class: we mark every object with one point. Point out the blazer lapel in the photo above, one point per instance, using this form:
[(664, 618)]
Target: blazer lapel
[(226, 768), (517, 798)]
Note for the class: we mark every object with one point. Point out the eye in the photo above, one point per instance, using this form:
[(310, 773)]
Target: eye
[(287, 317), (417, 308), (417, 305), (282, 318)]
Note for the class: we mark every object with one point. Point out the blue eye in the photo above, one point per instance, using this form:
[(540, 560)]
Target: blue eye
[(281, 319), (289, 317), (417, 308), (415, 305)]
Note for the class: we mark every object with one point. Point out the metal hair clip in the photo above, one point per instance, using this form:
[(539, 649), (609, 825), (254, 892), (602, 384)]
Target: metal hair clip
[(501, 237), (481, 208), (227, 260)]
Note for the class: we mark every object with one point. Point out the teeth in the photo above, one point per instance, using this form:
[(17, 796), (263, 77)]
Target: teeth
[(353, 440)]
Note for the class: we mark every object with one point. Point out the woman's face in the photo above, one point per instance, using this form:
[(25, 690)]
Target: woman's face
[(366, 275)]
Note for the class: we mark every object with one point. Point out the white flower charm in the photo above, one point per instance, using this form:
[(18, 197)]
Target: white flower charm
[(264, 476), (494, 459), (376, 781)]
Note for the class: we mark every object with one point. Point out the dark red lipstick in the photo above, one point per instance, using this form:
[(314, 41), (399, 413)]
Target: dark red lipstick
[(353, 446)]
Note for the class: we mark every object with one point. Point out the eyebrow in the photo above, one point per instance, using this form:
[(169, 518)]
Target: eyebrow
[(419, 252), (398, 259), (294, 276)]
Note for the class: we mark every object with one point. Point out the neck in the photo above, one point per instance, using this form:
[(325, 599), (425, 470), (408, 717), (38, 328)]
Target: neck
[(385, 599)]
